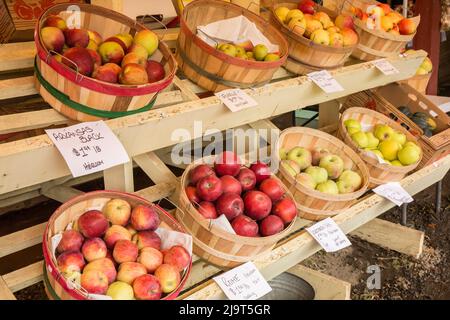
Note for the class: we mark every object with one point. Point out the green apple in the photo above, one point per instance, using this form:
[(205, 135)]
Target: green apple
[(389, 149), (240, 51), (228, 49), (352, 123), (302, 156), (399, 137), (306, 180), (352, 130), (383, 132), (120, 291), (360, 138), (283, 154), (320, 175), (291, 167), (329, 187), (396, 163), (271, 57), (333, 164), (349, 181), (409, 155), (372, 140), (317, 154), (259, 52)]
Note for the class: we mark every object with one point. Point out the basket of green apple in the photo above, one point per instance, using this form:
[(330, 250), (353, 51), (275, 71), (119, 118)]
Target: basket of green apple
[(388, 149), (324, 175)]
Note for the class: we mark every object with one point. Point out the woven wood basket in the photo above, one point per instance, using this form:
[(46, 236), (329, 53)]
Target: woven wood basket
[(56, 285), (387, 99), (213, 69), (312, 204), (215, 245), (380, 173), (304, 51), (84, 98)]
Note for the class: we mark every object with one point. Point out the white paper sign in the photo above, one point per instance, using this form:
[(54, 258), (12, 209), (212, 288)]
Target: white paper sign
[(328, 234), (88, 147), (325, 81), (223, 223), (394, 192), (385, 66), (236, 99), (243, 283)]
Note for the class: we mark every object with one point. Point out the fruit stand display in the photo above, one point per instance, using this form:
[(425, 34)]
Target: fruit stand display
[(25, 164)]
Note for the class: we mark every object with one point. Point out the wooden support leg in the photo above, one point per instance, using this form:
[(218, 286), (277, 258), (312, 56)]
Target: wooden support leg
[(5, 293), (328, 113), (120, 178), (438, 196), (404, 216)]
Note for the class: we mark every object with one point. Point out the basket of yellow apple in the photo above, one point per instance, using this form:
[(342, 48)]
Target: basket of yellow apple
[(389, 150), (324, 175), (423, 74), (317, 38)]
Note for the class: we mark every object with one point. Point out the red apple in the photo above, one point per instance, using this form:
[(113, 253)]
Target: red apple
[(178, 257), (191, 193), (247, 178), (125, 251), (114, 234), (155, 71), (53, 38), (94, 282), (144, 218), (76, 37), (55, 21), (93, 249), (285, 209), (70, 262), (109, 72), (133, 74), (118, 41), (245, 226), (93, 224), (207, 210), (110, 257), (71, 241), (117, 211), (129, 271), (209, 188), (227, 163), (231, 185), (150, 258), (147, 287), (257, 205), (261, 170), (407, 26), (199, 172), (168, 276), (273, 188), (231, 205), (104, 265), (271, 225), (144, 239), (79, 59), (306, 6), (96, 59)]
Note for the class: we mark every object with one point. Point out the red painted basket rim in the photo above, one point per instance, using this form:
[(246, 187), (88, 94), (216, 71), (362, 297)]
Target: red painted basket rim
[(54, 268), (91, 83), (229, 59)]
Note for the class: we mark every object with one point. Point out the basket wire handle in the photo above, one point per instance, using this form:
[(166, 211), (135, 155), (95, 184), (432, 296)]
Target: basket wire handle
[(212, 39), (67, 59), (142, 18)]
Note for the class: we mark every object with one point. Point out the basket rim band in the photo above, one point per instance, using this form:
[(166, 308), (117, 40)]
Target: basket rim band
[(63, 98), (48, 285), (216, 78)]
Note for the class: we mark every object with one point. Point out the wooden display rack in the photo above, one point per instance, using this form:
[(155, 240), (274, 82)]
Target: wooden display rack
[(33, 167)]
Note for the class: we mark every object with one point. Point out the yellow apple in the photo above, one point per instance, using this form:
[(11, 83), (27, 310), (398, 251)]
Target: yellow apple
[(409, 155), (324, 19), (240, 51), (421, 71), (271, 57), (396, 163), (120, 291), (383, 132), (297, 25), (281, 13), (311, 26), (259, 52), (294, 13), (321, 36), (389, 148), (372, 140), (320, 175), (329, 187), (336, 39), (349, 181), (360, 138), (352, 123), (399, 137), (412, 144), (427, 65)]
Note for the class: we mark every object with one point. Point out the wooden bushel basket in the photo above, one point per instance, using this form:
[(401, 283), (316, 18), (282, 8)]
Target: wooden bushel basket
[(312, 204), (56, 286), (213, 69), (215, 245), (380, 173), (305, 52), (84, 98)]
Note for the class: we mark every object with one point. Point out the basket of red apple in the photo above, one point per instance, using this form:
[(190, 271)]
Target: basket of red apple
[(324, 175), (222, 45), (235, 213), (383, 32), (317, 37), (108, 66), (114, 245), (389, 150)]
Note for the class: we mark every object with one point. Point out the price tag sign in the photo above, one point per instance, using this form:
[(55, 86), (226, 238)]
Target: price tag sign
[(325, 81), (243, 283), (88, 147), (394, 192), (236, 99), (386, 67), (328, 234)]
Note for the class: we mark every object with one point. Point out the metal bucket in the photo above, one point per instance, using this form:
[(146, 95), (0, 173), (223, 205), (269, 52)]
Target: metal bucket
[(287, 286)]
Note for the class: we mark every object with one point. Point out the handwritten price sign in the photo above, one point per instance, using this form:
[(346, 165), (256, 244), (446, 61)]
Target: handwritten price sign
[(324, 80), (236, 99), (394, 192), (328, 234), (88, 147), (385, 67)]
